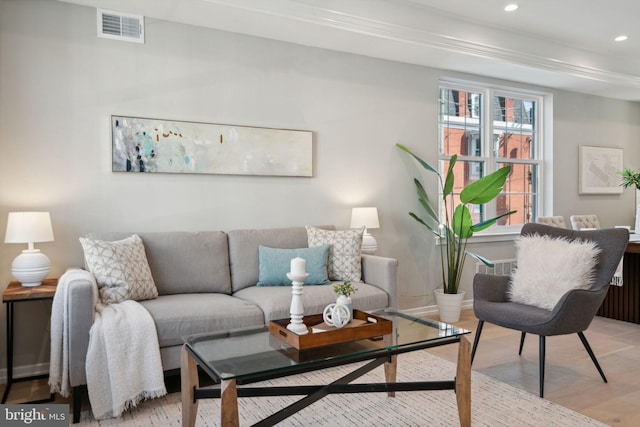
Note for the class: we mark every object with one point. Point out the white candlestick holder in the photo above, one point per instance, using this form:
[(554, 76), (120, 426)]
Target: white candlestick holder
[(296, 325)]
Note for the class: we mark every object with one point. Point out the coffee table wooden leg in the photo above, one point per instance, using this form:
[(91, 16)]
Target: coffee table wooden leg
[(463, 382), (390, 370), (188, 382), (229, 404)]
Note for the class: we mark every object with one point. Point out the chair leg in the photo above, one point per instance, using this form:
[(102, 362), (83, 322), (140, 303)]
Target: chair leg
[(522, 335), (476, 339), (593, 356), (542, 355), (78, 394)]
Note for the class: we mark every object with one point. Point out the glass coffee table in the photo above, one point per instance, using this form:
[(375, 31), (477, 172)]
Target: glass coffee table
[(240, 357)]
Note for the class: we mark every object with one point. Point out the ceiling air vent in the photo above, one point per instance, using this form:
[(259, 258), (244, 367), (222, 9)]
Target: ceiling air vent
[(120, 26)]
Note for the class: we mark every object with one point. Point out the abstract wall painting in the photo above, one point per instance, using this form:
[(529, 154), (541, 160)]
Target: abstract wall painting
[(599, 170), (171, 146)]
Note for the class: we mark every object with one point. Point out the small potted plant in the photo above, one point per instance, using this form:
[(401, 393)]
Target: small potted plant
[(631, 178), (344, 291)]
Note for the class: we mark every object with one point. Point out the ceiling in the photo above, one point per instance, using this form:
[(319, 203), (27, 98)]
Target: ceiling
[(565, 44)]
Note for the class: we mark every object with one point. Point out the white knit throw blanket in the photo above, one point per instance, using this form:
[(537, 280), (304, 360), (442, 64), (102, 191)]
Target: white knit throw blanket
[(59, 360), (123, 365), (123, 360)]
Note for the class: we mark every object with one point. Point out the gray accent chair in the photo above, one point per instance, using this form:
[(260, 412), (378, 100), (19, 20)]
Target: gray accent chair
[(575, 310), (554, 221)]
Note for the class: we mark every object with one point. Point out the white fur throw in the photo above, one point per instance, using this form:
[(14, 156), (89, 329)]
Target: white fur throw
[(548, 267)]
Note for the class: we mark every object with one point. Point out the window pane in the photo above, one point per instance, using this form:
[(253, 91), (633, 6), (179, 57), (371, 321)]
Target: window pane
[(519, 194), (511, 120), (459, 122), (514, 128)]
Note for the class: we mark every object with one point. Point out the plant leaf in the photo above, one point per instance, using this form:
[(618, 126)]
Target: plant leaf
[(481, 259), (417, 218), (461, 222), (424, 201), (489, 222), (449, 180), (418, 159), (629, 178), (486, 188)]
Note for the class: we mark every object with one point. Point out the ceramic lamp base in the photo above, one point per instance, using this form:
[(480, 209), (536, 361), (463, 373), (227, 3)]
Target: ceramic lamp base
[(369, 244), (31, 267)]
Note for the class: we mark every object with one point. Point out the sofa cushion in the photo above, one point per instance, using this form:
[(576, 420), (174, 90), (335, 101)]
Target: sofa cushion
[(120, 268), (275, 301), (177, 316), (184, 262), (275, 263), (345, 247), (243, 250)]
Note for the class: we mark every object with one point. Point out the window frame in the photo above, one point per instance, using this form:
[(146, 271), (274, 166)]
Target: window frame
[(542, 140)]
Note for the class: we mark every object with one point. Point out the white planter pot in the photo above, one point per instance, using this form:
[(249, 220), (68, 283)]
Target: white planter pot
[(449, 305), (346, 301)]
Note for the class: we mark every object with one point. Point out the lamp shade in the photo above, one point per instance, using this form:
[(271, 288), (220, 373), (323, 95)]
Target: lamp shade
[(31, 266), (28, 227), (364, 216)]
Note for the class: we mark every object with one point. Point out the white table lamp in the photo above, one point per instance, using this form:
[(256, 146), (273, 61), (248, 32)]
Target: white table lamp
[(369, 218), (31, 266)]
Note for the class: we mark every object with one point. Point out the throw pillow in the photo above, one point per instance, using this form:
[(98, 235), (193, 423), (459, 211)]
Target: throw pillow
[(275, 263), (121, 269), (549, 267), (345, 262)]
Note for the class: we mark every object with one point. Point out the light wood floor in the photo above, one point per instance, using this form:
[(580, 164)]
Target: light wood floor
[(571, 379)]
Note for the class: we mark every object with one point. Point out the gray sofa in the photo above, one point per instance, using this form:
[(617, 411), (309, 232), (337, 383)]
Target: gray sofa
[(206, 282)]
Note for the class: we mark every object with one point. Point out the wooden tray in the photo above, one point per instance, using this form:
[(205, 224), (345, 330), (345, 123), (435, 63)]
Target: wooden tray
[(365, 330)]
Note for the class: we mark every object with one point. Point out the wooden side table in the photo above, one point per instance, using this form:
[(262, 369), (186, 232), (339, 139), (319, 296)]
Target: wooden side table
[(16, 293), (623, 302)]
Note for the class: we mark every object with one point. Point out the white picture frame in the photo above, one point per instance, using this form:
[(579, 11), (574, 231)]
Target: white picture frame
[(599, 169)]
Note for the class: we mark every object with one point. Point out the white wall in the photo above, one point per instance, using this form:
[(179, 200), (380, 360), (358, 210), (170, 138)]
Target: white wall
[(588, 120), (59, 84)]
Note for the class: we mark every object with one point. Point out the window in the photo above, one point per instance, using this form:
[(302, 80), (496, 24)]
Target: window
[(487, 129)]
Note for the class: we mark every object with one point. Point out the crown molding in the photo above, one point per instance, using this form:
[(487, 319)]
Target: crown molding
[(406, 31), (378, 29)]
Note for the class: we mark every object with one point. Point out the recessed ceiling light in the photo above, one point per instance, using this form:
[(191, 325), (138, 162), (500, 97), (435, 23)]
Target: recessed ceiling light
[(511, 7), (621, 38)]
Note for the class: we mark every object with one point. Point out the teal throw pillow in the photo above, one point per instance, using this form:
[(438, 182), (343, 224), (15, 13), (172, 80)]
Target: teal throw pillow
[(275, 263)]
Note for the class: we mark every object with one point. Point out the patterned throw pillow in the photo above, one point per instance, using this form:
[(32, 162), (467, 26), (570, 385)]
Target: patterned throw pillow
[(344, 251), (121, 269)]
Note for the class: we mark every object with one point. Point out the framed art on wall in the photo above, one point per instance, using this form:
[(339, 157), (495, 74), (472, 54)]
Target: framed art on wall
[(599, 169), (172, 146)]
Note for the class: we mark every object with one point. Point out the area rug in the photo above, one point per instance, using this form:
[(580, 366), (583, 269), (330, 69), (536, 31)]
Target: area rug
[(493, 403)]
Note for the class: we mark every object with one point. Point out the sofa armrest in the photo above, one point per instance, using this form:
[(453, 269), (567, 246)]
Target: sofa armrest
[(82, 295), (382, 272)]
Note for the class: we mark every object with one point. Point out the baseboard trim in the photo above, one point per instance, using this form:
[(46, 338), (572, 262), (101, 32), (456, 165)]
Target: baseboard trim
[(25, 371), (433, 309)]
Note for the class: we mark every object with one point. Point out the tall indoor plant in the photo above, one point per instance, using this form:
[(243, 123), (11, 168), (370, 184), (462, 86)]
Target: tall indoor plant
[(455, 229)]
